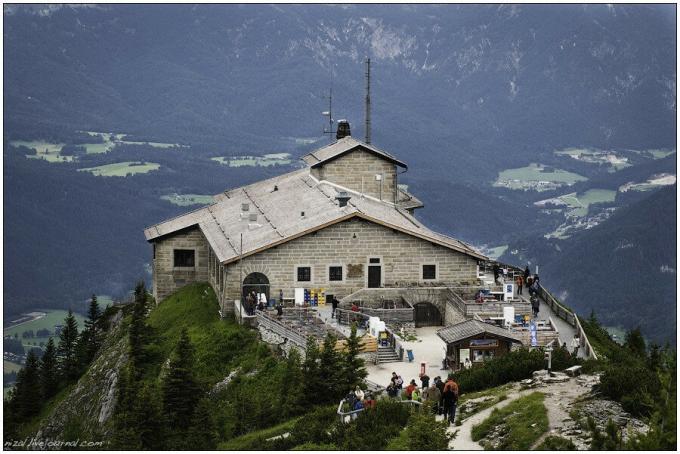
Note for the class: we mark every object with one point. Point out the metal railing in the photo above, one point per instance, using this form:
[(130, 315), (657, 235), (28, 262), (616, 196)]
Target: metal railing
[(267, 321), (562, 312)]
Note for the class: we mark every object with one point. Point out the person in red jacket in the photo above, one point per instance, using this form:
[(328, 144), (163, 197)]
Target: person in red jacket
[(450, 399), (410, 388)]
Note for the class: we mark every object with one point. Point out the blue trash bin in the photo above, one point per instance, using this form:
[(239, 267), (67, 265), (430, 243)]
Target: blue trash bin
[(409, 353)]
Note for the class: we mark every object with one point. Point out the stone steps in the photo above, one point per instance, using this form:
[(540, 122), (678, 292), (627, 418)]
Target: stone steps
[(387, 355)]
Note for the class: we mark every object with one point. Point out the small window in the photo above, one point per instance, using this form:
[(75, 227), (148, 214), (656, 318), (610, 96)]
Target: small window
[(334, 273), (304, 274), (374, 260), (184, 258), (154, 250), (429, 272)]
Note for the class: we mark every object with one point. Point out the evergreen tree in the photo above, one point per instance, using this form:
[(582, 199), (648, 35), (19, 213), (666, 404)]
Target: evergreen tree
[(147, 417), (92, 328), (354, 370), (138, 328), (126, 435), (26, 400), (313, 385), (66, 352), (292, 392), (180, 389), (636, 343), (331, 371), (203, 433), (49, 379)]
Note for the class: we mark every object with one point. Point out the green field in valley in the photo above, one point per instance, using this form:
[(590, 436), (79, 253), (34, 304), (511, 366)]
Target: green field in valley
[(188, 199), (273, 159), (579, 203), (9, 366), (537, 177), (45, 319), (122, 169)]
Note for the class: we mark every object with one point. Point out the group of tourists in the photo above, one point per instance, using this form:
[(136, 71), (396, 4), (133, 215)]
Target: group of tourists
[(443, 396), (358, 400), (258, 302)]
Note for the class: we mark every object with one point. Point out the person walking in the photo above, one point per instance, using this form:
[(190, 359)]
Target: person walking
[(535, 305), (450, 399), (432, 396), (440, 386), (527, 273), (520, 282), (334, 304)]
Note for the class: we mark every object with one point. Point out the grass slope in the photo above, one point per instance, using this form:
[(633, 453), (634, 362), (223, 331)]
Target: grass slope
[(523, 421)]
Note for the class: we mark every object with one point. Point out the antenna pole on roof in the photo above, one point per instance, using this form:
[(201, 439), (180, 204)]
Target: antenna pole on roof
[(368, 100), (329, 112)]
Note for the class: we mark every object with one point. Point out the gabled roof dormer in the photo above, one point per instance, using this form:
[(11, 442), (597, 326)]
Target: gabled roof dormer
[(357, 166)]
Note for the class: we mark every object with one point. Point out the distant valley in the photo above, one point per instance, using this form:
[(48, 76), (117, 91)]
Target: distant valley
[(533, 133)]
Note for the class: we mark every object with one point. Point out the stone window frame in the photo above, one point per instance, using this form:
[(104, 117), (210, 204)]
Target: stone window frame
[(185, 268), (382, 269), (311, 273), (436, 271), (338, 265)]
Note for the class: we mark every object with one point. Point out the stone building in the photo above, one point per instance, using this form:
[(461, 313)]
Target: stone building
[(341, 224)]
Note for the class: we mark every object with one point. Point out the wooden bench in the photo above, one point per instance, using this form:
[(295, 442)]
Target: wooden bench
[(573, 371)]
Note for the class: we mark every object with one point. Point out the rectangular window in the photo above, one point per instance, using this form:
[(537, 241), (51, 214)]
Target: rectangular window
[(304, 274), (184, 258), (429, 272), (154, 250), (374, 260), (334, 273)]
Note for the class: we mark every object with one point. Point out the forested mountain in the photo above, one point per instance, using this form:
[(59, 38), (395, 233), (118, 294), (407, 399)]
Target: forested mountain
[(459, 92), (624, 269)]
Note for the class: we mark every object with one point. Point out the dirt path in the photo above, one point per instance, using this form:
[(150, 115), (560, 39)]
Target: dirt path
[(558, 397), (463, 440)]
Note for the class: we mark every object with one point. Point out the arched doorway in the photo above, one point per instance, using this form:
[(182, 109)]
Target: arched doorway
[(256, 282), (427, 314)]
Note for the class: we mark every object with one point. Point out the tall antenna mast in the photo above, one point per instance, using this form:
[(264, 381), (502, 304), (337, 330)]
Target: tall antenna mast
[(329, 112), (368, 101)]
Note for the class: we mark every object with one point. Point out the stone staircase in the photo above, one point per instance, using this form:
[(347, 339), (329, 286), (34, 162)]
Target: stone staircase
[(387, 355)]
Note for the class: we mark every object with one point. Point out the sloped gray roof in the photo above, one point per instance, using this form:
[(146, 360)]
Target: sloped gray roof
[(342, 146), (279, 203), (469, 328)]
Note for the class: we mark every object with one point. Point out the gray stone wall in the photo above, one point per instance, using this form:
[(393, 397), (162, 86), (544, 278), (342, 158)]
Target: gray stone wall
[(167, 278), (357, 171), (401, 255)]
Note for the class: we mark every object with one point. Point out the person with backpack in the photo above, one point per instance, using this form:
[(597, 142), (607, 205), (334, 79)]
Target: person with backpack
[(450, 399)]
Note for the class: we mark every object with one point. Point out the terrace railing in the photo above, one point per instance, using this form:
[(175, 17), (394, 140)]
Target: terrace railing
[(293, 335)]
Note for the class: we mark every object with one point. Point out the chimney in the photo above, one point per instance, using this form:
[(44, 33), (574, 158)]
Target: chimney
[(342, 197), (343, 129)]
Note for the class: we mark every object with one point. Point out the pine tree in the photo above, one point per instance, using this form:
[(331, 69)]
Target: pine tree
[(138, 328), (636, 343), (180, 389), (354, 370), (92, 327), (126, 435), (26, 401), (331, 371), (203, 433), (313, 385), (49, 379), (292, 392), (147, 417), (66, 351)]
